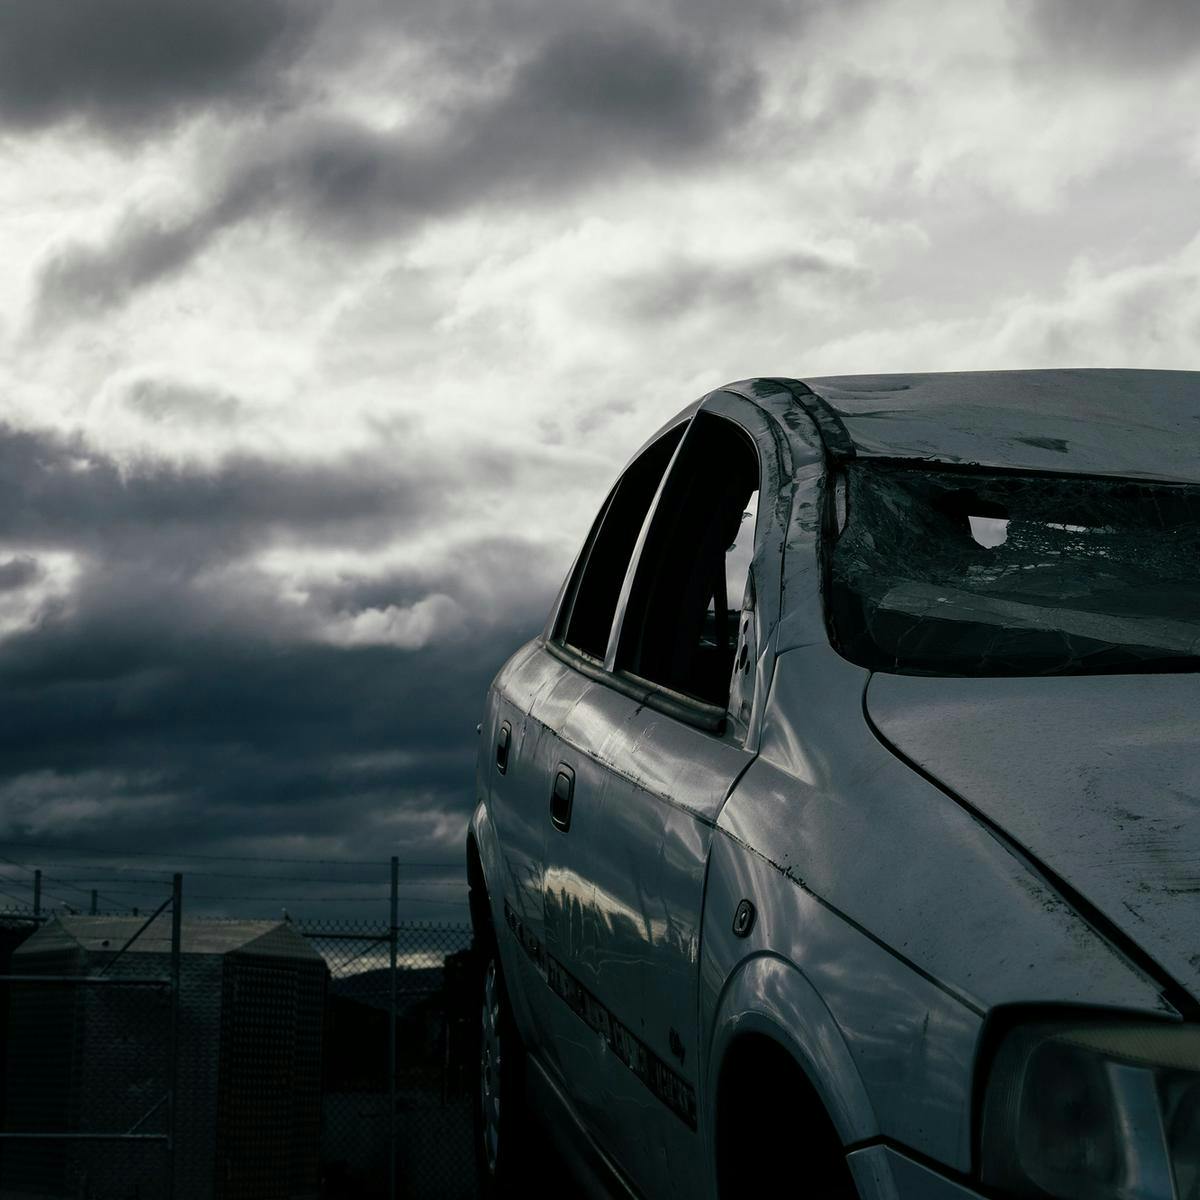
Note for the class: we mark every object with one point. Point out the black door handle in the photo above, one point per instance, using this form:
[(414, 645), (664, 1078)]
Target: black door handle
[(502, 744), (561, 797)]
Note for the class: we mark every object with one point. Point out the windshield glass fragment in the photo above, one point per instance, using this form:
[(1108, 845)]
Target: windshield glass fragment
[(976, 573)]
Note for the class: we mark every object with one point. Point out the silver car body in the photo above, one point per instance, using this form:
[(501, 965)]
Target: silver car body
[(923, 853)]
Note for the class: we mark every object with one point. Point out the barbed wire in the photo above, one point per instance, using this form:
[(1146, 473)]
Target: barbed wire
[(294, 898), (157, 878), (118, 881), (170, 855), (33, 871)]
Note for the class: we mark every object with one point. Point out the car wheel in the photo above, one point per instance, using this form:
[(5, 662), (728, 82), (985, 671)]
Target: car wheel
[(501, 1118)]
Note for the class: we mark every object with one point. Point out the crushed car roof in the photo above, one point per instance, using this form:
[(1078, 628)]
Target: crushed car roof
[(1104, 422)]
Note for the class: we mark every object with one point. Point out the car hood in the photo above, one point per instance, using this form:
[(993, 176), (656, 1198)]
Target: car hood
[(1096, 777)]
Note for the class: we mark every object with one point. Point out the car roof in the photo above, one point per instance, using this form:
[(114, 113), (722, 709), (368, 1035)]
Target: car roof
[(1097, 422)]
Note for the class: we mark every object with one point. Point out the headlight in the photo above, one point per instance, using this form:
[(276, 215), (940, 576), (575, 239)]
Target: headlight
[(1095, 1112)]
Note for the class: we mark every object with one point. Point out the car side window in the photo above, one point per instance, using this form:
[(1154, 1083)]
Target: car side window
[(682, 626), (586, 616)]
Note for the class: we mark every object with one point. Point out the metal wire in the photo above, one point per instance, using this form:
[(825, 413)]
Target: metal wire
[(168, 855)]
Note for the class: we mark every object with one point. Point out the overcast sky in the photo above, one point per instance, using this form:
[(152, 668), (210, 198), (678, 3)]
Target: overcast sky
[(324, 328)]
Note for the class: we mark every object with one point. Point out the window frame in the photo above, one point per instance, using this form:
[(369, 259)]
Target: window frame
[(617, 640), (564, 609), (774, 512)]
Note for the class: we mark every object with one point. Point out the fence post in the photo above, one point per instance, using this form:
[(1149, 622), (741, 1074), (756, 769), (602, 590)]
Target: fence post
[(173, 1063), (37, 892), (392, 932)]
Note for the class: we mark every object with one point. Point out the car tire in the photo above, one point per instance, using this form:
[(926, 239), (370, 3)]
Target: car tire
[(501, 1111)]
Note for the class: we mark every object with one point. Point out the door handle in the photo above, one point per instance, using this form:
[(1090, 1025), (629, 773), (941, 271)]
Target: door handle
[(561, 796), (502, 744)]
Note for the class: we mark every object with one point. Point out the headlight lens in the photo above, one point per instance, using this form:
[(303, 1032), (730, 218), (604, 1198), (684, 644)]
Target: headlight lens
[(1104, 1112)]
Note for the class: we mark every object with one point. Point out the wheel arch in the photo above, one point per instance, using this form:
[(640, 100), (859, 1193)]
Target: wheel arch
[(768, 1000)]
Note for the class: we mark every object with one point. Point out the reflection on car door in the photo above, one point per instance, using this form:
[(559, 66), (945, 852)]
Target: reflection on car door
[(533, 694), (514, 730), (651, 756)]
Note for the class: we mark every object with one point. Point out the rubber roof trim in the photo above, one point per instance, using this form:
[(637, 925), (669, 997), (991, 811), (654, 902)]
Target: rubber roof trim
[(835, 437)]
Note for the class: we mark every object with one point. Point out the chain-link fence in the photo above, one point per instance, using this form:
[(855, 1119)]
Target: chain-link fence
[(88, 1099), (234, 1058), (423, 1001)]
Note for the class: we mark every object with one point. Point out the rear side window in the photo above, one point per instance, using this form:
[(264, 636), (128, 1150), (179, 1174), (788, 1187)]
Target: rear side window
[(587, 615), (681, 623)]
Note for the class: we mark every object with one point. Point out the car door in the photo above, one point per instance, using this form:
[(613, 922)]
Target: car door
[(648, 749), (529, 698)]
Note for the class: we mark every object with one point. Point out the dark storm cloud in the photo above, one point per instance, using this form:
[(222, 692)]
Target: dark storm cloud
[(205, 742), (1149, 35), (589, 102), (128, 66), (57, 492), (161, 707), (150, 720)]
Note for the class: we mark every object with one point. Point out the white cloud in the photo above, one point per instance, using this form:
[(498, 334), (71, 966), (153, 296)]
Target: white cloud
[(408, 628)]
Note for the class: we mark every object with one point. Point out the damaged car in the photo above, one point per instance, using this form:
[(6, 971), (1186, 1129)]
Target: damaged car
[(840, 832)]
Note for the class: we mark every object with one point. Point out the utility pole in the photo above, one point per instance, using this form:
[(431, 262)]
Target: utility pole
[(173, 1064), (37, 892), (392, 932), (95, 906)]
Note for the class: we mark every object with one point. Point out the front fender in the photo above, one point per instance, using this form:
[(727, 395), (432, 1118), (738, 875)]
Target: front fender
[(890, 1052), (770, 997)]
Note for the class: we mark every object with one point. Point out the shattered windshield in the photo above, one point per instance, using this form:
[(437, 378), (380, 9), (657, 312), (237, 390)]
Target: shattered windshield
[(964, 572)]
